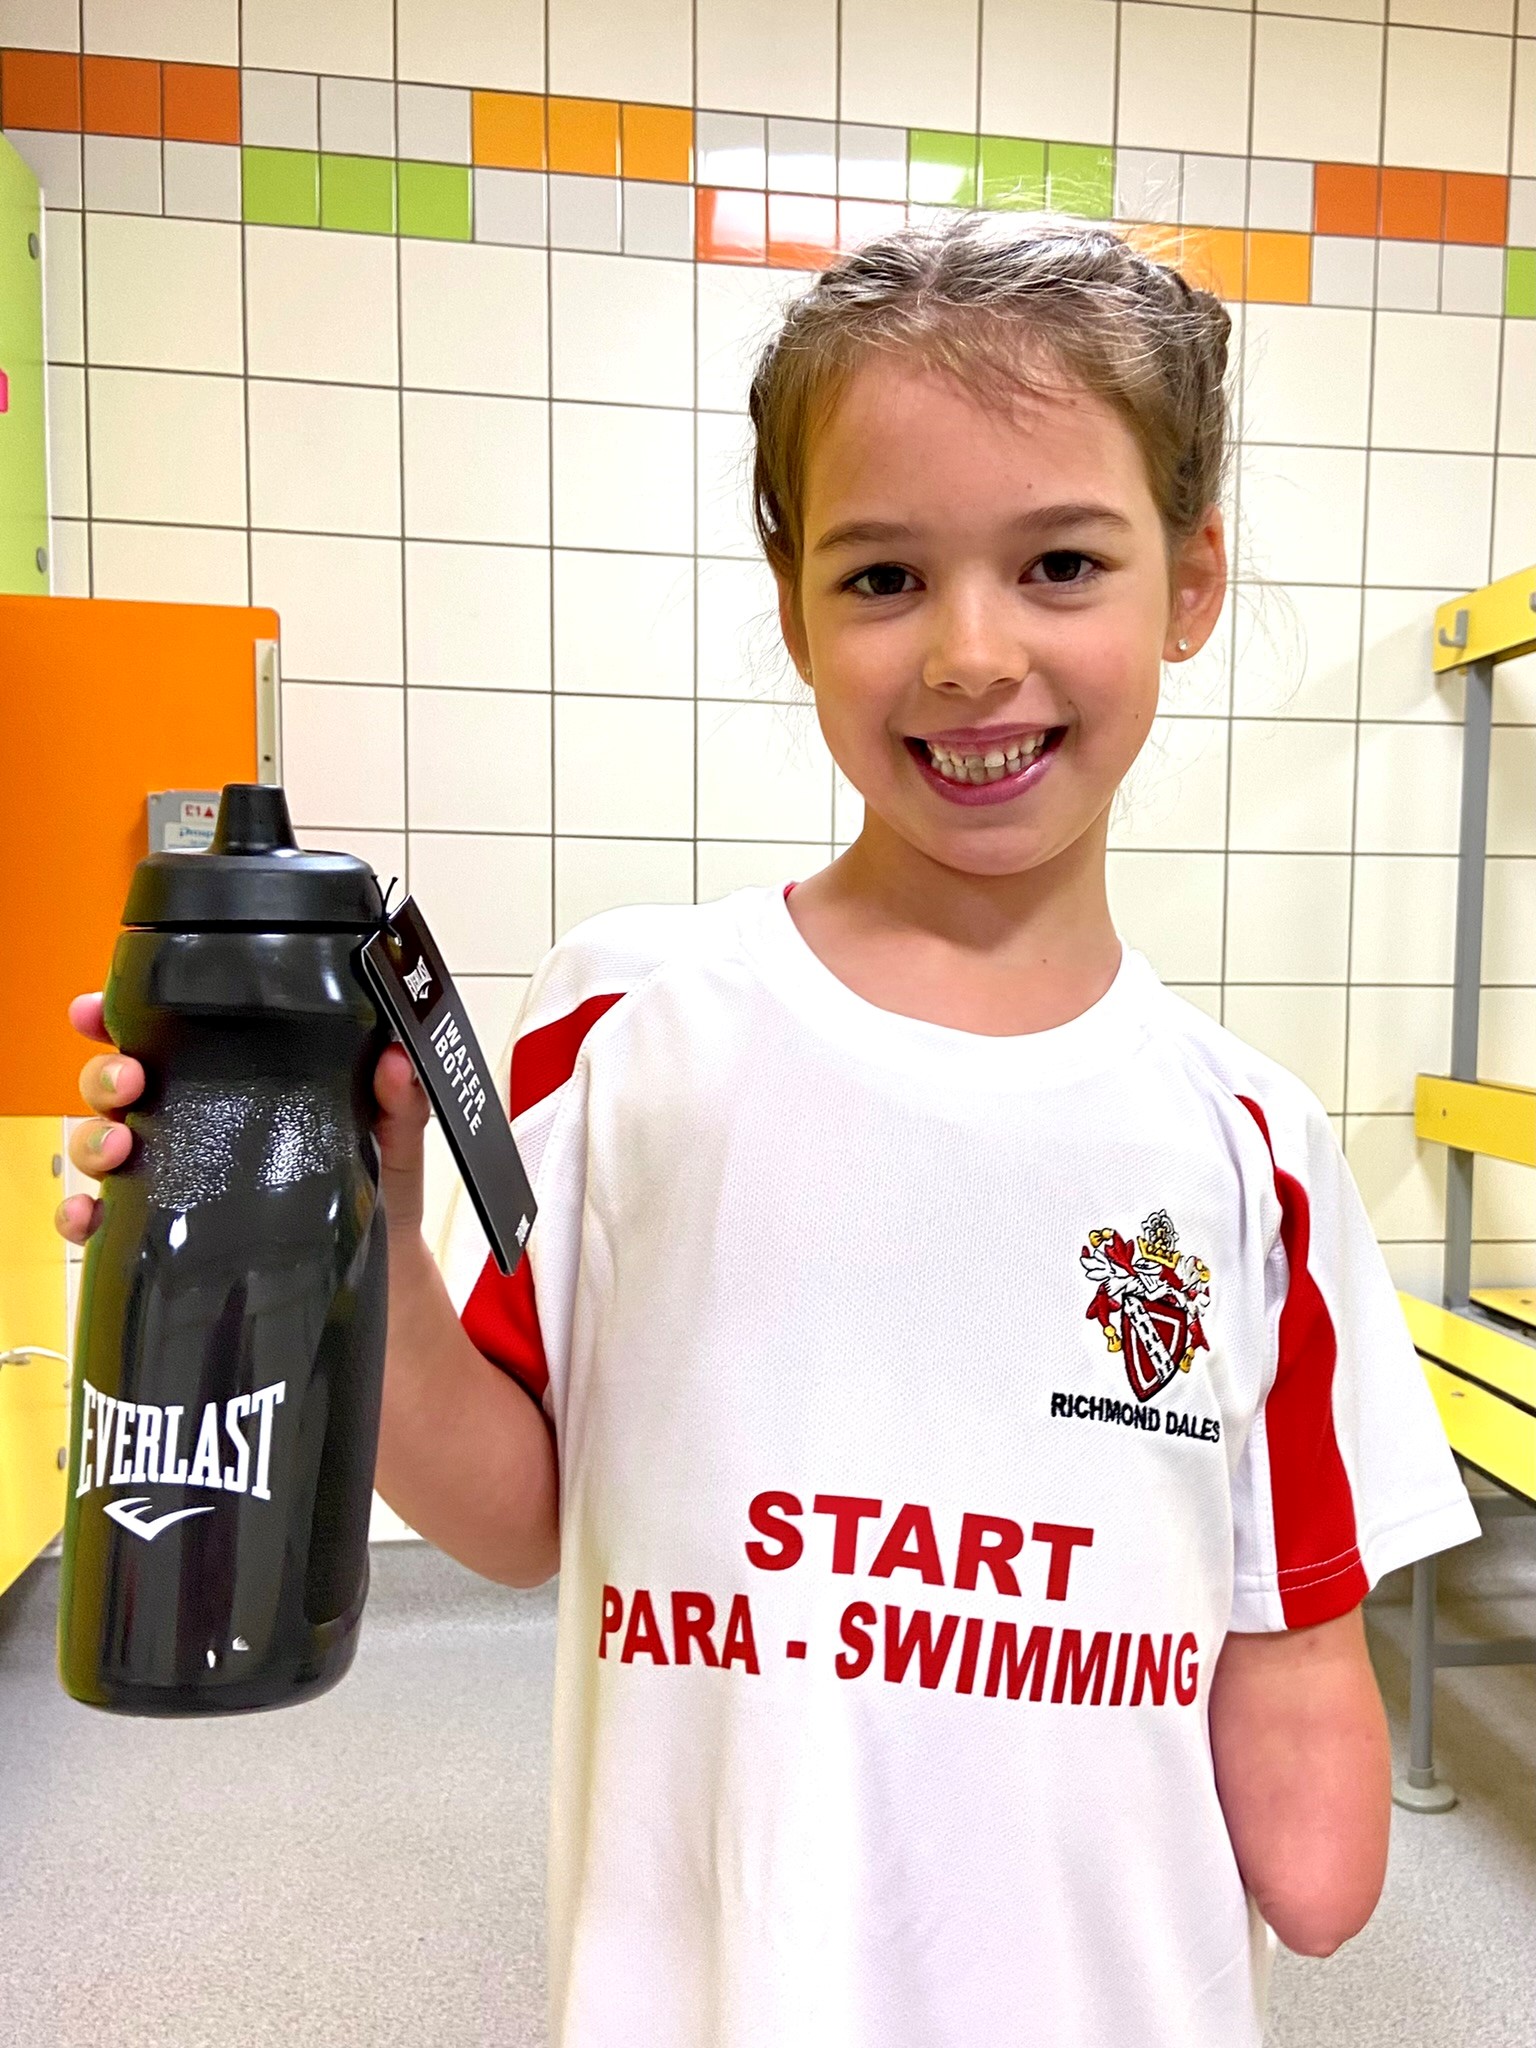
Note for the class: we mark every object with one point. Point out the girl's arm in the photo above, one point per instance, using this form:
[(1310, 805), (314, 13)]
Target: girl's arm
[(1303, 1771)]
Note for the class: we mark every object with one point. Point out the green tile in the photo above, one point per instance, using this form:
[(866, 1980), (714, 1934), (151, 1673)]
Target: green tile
[(281, 187), (1012, 173), (358, 192), (434, 201), (1080, 179), (941, 168), (1520, 283)]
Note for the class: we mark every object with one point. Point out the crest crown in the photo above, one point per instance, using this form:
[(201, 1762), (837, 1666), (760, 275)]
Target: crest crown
[(1159, 1239)]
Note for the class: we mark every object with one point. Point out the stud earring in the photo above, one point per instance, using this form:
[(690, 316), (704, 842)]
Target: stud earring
[(1183, 647)]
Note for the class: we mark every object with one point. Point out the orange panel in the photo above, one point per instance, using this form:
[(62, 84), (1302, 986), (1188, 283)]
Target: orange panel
[(1156, 239), (732, 227), (39, 89), (584, 136), (202, 102), (802, 231), (864, 220), (1413, 205), (1213, 260), (658, 143), (508, 130), (1346, 199), (1476, 208), (1279, 267), (122, 96), (175, 686)]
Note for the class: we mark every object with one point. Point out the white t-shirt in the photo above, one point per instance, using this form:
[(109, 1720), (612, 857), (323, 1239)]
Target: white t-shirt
[(929, 1406)]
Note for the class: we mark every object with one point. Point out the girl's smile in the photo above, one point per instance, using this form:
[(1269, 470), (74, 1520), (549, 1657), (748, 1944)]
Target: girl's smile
[(981, 765)]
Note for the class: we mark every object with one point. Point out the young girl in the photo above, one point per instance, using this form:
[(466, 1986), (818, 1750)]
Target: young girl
[(955, 1379)]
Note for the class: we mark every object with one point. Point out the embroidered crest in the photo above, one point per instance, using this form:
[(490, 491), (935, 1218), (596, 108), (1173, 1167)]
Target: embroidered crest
[(1148, 1301)]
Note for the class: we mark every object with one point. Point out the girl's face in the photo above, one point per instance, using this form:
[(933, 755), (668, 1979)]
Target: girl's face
[(983, 609)]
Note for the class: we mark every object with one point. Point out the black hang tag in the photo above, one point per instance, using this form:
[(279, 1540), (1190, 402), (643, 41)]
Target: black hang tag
[(416, 992)]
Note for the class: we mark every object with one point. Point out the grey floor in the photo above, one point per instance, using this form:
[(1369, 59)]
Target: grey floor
[(367, 1870)]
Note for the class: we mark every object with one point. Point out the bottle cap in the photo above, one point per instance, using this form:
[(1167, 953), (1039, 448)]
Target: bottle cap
[(254, 877)]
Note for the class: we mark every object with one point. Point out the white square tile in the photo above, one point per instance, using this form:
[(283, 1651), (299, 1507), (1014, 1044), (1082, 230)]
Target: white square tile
[(68, 497), (53, 159), (487, 897), (1287, 917), (1292, 787), (1175, 796), (1397, 680), (1430, 519), (202, 180), (1436, 383), (584, 213), (725, 865), (122, 174), (782, 59), (163, 294), (1317, 90), (592, 875), (478, 761), (476, 468), (476, 617), (650, 303), (1509, 918), (339, 602), (730, 149), (357, 117), (1280, 195), (725, 473), (1514, 519), (433, 123), (871, 162), (1169, 906), (1161, 50), (658, 219), (486, 43), (1404, 919), (512, 206), (1408, 276), (1501, 1208), (623, 624), (279, 110), (912, 62), (1493, 17), (1305, 509), (1514, 690), (170, 564), (351, 37), (63, 297), (1517, 410), (1343, 271), (1522, 155), (802, 155), (741, 650), (1471, 280), (321, 305), (1215, 190), (623, 478), (1511, 787), (739, 311), (344, 755), (1306, 374), (1522, 212), (1301, 1027), (1447, 100), (40, 24), (1149, 184), (1048, 69), (167, 446), (624, 767), (1409, 789), (1401, 1181), (1394, 1035), (764, 773), (621, 49), (1298, 650), (69, 558), (474, 317), (325, 458), (1508, 1032)]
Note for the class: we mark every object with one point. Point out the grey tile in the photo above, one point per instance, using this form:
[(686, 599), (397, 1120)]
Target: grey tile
[(1522, 210), (1471, 280), (280, 109), (434, 123), (1279, 194), (802, 155), (202, 180), (1408, 276), (583, 212), (512, 206), (1215, 191), (658, 219), (871, 162), (1148, 183), (54, 161), (357, 116), (1343, 270), (122, 173), (730, 149)]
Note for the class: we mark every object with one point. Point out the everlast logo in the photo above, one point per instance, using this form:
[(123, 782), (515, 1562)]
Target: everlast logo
[(136, 1443)]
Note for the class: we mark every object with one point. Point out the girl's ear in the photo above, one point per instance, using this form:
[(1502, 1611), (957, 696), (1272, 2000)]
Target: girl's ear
[(792, 626), (1199, 585)]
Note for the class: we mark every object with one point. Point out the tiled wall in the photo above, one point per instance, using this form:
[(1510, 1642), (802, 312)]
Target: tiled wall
[(428, 323)]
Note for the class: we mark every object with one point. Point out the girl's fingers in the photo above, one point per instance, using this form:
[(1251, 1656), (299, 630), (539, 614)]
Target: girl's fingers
[(98, 1146), (77, 1217), (111, 1081), (85, 1016)]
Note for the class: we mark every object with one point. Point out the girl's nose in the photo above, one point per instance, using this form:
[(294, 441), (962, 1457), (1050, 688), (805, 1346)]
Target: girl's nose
[(975, 648)]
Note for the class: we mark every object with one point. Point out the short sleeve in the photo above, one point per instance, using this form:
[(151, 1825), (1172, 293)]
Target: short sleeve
[(1346, 1473)]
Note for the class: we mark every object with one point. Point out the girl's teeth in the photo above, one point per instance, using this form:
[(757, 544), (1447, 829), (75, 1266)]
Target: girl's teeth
[(997, 762)]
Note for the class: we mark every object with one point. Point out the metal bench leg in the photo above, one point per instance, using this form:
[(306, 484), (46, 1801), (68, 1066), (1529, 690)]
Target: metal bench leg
[(1419, 1789)]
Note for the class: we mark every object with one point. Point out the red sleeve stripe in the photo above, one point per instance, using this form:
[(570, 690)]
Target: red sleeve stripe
[(501, 1316), (1320, 1573)]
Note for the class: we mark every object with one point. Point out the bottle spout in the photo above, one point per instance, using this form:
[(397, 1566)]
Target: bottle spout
[(253, 818)]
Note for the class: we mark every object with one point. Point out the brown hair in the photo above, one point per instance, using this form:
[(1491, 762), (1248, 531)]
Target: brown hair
[(987, 302)]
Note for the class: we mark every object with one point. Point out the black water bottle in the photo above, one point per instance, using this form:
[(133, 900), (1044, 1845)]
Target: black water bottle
[(230, 1349)]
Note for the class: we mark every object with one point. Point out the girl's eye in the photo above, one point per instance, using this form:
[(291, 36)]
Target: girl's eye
[(885, 579), (1066, 565)]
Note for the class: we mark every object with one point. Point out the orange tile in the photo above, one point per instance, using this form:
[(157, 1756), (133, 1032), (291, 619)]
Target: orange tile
[(658, 143), (122, 96), (202, 102), (731, 227), (1213, 261), (1346, 199), (865, 220), (39, 89), (1476, 208), (1413, 205), (584, 136), (1162, 243), (802, 231), (508, 130), (1279, 267)]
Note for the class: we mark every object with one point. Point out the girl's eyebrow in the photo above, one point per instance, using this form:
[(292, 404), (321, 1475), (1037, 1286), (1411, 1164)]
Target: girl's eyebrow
[(867, 532)]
